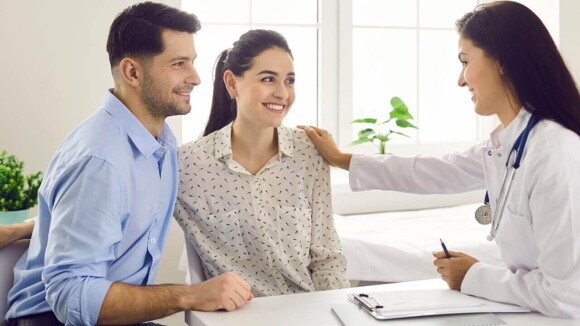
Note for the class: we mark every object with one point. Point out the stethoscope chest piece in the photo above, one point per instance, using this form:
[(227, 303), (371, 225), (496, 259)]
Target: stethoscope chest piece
[(483, 214)]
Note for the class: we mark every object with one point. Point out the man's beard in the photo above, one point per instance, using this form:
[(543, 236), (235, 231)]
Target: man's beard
[(154, 102)]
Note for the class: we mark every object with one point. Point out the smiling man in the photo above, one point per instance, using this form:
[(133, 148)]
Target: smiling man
[(107, 199)]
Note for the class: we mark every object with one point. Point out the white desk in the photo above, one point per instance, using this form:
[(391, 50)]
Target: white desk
[(314, 309)]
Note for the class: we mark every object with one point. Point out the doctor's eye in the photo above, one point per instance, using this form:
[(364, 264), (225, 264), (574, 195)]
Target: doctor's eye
[(268, 79), (179, 64)]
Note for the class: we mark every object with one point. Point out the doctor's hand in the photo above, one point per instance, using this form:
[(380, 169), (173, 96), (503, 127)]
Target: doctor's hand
[(326, 146), (227, 291), (453, 270)]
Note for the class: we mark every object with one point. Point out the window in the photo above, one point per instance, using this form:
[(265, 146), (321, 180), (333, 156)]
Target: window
[(351, 57)]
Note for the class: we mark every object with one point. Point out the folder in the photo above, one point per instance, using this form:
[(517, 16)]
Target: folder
[(418, 303)]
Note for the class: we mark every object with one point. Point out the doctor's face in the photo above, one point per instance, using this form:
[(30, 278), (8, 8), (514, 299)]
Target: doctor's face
[(481, 75)]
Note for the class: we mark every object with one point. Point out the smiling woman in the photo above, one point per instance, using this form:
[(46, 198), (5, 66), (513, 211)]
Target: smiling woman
[(254, 196)]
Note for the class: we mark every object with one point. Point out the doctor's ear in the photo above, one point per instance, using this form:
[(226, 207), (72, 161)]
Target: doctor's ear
[(130, 71), (231, 83)]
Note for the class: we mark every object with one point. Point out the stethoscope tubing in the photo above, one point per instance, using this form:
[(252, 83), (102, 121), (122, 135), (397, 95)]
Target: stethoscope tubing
[(508, 177)]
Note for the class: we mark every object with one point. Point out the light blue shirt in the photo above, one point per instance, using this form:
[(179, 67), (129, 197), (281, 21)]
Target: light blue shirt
[(105, 206)]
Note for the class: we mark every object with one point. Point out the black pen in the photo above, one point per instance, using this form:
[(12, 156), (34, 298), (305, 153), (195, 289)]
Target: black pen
[(447, 255)]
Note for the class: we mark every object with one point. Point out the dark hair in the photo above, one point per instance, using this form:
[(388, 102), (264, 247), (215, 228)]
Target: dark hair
[(513, 35), (136, 31), (238, 59)]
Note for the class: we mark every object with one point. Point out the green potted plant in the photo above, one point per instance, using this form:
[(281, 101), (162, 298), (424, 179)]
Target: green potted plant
[(383, 131), (18, 193)]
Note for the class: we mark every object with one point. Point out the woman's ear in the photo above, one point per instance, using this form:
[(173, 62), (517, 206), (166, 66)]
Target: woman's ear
[(231, 84), (130, 71)]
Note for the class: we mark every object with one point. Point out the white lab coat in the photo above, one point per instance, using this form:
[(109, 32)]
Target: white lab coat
[(539, 234)]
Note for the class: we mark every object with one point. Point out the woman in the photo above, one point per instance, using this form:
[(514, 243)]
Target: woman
[(254, 196), (514, 71)]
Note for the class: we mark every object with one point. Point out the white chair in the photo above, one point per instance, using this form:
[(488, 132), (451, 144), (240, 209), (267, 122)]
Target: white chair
[(8, 258), (194, 274)]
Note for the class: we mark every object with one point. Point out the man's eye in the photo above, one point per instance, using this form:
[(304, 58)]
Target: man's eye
[(268, 79)]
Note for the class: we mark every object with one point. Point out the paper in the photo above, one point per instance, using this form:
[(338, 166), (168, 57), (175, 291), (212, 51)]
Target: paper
[(403, 304)]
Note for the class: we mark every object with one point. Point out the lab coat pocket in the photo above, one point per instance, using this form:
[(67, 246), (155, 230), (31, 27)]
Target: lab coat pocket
[(293, 228), (515, 235), (225, 235)]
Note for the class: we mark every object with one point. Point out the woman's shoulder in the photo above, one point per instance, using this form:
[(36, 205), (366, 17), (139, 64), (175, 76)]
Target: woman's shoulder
[(199, 146), (300, 140)]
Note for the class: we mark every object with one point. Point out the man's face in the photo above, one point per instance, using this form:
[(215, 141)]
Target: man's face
[(170, 76)]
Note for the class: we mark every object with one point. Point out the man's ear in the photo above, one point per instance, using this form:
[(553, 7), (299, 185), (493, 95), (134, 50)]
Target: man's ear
[(231, 84), (131, 71)]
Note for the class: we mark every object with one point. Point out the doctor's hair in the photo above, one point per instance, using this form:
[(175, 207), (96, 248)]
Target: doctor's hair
[(136, 31), (531, 65), (238, 60)]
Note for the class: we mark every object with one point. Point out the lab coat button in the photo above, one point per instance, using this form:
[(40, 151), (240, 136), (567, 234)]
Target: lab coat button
[(489, 153)]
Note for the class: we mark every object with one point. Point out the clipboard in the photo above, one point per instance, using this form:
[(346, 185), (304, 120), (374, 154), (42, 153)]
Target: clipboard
[(422, 303)]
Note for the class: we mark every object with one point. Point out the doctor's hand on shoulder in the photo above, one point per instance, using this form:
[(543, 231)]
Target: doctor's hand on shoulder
[(326, 146), (453, 270)]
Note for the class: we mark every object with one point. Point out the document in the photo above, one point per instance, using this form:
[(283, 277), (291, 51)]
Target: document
[(404, 304)]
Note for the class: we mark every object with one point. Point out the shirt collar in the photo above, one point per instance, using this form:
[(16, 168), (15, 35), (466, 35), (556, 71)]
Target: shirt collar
[(505, 137), (223, 142), (139, 135)]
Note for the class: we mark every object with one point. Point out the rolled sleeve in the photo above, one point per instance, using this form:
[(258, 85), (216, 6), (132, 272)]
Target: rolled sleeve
[(86, 208)]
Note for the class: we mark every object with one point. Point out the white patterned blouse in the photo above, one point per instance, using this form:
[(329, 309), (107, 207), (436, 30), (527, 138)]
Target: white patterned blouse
[(275, 229)]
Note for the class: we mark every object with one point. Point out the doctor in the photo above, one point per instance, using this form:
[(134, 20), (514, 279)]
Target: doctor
[(514, 71)]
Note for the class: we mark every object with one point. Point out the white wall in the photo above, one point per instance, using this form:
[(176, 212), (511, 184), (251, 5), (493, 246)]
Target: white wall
[(54, 71)]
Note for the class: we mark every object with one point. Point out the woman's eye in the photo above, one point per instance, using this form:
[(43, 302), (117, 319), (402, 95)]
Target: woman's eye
[(290, 81), (179, 64), (268, 79)]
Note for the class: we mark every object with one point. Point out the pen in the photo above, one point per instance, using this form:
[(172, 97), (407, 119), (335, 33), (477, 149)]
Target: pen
[(447, 255)]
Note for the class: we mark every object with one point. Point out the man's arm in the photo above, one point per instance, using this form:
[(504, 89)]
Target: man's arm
[(15, 232), (128, 304)]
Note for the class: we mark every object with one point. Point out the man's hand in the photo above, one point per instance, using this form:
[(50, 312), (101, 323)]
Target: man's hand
[(326, 146), (453, 270), (227, 291)]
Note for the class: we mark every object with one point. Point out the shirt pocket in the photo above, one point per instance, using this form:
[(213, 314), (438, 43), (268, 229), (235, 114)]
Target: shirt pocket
[(225, 236), (294, 225)]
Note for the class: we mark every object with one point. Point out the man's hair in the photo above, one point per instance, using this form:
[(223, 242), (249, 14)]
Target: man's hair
[(136, 31)]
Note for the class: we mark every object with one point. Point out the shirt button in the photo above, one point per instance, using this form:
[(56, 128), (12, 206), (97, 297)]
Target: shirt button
[(152, 240)]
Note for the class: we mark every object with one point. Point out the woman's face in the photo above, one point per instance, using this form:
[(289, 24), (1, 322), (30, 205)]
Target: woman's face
[(481, 75), (265, 92)]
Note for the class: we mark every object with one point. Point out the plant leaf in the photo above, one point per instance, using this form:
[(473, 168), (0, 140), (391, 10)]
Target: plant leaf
[(403, 123), (361, 141), (399, 133), (365, 120), (366, 133), (400, 110), (382, 138)]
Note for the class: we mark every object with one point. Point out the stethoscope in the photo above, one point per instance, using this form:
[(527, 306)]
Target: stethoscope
[(483, 213)]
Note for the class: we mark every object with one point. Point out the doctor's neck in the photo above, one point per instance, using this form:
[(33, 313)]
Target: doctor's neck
[(508, 110)]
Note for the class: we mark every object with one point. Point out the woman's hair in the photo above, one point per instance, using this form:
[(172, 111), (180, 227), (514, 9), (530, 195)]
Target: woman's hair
[(513, 35), (238, 59)]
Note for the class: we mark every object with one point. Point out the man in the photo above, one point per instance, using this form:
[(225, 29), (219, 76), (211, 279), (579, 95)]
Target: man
[(108, 195)]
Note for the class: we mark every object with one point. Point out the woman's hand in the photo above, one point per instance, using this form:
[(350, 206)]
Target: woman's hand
[(15, 232), (453, 270), (326, 146)]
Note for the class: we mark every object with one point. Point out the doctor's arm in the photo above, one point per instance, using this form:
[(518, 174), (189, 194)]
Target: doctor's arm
[(328, 261), (553, 287), (14, 232)]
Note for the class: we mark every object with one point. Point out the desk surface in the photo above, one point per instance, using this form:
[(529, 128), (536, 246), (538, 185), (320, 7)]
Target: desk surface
[(314, 309)]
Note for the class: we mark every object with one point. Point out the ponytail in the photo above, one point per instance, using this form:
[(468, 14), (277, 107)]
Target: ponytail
[(223, 108)]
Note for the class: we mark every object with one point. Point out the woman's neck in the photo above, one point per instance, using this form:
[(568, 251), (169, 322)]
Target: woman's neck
[(253, 146)]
